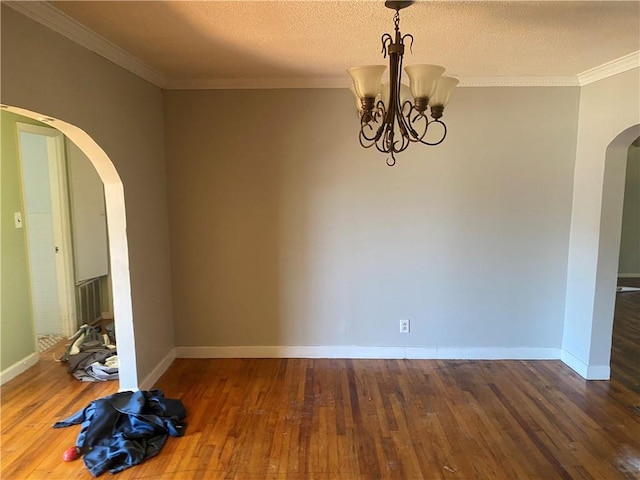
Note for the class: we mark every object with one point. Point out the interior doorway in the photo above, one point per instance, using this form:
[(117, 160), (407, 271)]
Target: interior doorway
[(46, 223), (117, 245), (625, 344)]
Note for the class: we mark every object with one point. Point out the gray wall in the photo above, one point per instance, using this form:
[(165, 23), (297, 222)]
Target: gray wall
[(629, 262), (46, 73), (284, 231)]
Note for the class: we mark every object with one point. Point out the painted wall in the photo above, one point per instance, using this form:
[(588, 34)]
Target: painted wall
[(16, 316), (123, 114), (629, 263), (284, 231), (608, 108)]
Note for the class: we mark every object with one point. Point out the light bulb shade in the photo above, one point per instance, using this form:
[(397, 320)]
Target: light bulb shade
[(385, 94), (423, 79), (444, 87), (366, 79), (352, 88)]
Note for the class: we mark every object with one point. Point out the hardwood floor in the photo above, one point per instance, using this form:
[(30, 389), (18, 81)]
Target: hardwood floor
[(306, 419), (625, 345)]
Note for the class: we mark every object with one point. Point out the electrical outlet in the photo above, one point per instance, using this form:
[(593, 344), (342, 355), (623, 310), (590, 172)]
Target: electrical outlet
[(404, 326)]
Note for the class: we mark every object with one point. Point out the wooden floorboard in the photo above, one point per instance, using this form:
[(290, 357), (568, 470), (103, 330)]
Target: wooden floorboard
[(334, 419), (625, 345)]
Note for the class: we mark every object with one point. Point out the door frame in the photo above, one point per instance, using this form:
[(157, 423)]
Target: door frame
[(118, 243), (61, 222)]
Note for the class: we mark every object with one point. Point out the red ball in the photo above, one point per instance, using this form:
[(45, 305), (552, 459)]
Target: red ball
[(71, 453)]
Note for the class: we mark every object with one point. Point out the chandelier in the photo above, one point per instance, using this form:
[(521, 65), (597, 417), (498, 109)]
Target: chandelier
[(393, 115)]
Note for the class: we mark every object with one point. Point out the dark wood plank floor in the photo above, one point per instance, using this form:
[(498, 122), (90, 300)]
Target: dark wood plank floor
[(625, 345), (305, 419)]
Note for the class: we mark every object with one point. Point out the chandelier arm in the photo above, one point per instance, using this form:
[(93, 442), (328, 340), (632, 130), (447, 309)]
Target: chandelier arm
[(414, 127), (387, 40), (409, 106), (364, 143), (385, 146), (382, 143), (391, 161), (367, 138), (403, 125), (380, 112), (403, 146), (444, 133), (410, 37)]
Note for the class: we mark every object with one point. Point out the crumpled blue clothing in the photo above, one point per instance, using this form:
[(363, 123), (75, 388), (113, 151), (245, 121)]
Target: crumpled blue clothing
[(124, 429)]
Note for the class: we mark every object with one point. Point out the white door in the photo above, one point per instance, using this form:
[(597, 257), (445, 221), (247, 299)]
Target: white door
[(88, 214), (47, 228)]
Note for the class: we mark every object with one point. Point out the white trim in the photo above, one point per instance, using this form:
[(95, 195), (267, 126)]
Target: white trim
[(353, 351), (629, 275), (157, 372), (59, 22), (574, 363), (342, 82), (588, 372), (609, 69), (598, 372), (525, 81), (19, 367), (500, 353), (62, 228), (255, 84)]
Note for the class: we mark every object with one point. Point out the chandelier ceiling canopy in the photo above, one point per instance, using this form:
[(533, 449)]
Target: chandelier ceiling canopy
[(392, 114)]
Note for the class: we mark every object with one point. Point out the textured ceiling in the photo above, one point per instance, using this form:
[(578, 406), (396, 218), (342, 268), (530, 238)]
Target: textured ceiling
[(315, 41)]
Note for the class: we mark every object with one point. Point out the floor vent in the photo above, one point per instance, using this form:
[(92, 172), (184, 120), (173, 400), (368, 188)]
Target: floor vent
[(89, 301)]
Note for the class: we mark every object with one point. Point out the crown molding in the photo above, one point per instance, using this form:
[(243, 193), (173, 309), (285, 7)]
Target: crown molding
[(255, 84), (517, 81), (341, 82), (51, 17), (609, 69)]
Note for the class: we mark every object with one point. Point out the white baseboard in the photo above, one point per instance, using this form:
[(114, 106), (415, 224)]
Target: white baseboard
[(500, 353), (19, 367), (157, 372), (598, 372), (629, 275), (588, 372), (350, 351)]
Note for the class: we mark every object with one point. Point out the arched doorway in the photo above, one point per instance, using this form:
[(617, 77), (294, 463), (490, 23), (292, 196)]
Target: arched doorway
[(609, 241), (118, 247)]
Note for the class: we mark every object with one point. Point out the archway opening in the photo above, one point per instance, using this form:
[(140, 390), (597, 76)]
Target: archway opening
[(117, 241), (609, 243)]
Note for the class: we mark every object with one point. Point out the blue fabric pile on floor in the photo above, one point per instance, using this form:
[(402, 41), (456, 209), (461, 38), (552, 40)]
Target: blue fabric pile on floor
[(124, 429)]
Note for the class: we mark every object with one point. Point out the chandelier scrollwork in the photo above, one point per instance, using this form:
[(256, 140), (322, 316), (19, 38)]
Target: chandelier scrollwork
[(393, 115)]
